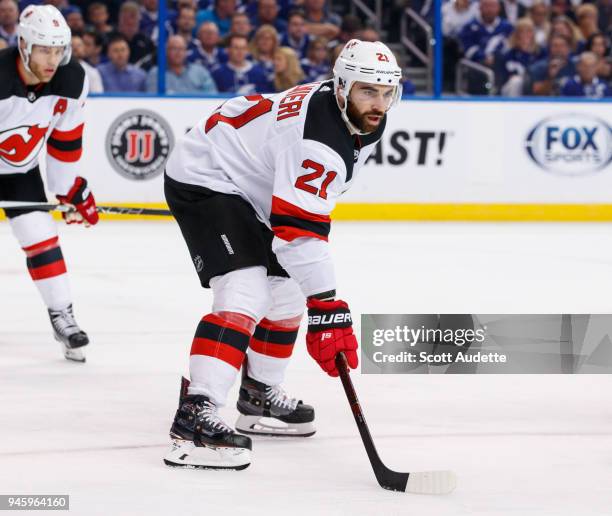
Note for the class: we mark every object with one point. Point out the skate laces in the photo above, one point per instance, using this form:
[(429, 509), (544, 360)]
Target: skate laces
[(64, 322), (208, 413), (278, 396)]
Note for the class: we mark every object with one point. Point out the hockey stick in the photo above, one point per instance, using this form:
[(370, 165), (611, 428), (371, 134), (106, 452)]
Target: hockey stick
[(112, 210), (423, 482)]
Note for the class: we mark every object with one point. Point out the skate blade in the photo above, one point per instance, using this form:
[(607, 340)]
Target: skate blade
[(272, 427), (74, 355), (185, 454)]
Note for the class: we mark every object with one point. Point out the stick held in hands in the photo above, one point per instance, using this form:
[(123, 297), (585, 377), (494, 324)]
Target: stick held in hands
[(111, 210), (423, 482)]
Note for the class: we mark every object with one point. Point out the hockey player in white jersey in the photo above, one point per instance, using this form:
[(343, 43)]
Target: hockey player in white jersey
[(42, 93), (252, 187)]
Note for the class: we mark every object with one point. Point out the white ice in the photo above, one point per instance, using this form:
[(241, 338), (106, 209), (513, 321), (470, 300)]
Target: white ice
[(529, 445)]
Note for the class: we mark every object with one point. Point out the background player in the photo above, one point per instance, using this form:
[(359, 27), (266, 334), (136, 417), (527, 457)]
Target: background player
[(42, 93), (252, 187)]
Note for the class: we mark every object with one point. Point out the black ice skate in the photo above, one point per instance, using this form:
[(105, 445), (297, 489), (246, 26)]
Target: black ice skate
[(201, 439), (268, 410), (67, 332)]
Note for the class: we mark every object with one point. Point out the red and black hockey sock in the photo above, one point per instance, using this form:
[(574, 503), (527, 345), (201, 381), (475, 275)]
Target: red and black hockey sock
[(45, 260), (218, 338), (274, 340)]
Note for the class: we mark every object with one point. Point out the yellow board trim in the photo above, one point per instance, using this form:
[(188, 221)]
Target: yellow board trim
[(435, 212), (476, 212)]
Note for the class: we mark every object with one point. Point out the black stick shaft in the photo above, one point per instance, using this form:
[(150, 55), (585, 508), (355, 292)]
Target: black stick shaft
[(111, 210), (388, 479), (351, 395)]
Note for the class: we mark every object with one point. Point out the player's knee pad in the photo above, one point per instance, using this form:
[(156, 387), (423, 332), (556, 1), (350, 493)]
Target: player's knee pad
[(288, 302), (33, 228), (245, 291)]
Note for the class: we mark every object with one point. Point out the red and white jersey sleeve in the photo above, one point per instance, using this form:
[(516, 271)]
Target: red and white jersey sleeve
[(65, 144), (308, 181)]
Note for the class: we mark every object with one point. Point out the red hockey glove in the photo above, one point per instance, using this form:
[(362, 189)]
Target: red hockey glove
[(82, 199), (330, 331)]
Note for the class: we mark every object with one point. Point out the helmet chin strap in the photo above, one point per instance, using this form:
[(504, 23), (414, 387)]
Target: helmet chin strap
[(343, 112), (25, 56)]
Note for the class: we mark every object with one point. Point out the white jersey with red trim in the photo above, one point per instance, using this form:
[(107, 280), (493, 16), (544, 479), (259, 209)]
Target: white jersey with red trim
[(290, 155), (48, 114)]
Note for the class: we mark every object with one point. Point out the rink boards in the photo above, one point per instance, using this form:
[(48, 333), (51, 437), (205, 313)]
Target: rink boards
[(438, 160)]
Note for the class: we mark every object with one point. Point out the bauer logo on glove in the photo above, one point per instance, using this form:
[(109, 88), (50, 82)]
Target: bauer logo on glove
[(330, 319), (330, 331)]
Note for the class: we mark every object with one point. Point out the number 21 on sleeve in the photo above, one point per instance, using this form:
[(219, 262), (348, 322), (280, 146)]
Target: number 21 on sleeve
[(303, 181)]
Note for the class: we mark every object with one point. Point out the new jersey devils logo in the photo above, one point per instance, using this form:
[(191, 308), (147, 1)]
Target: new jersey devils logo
[(20, 145)]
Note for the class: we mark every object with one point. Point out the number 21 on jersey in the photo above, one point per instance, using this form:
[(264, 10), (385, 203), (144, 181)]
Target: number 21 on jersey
[(304, 181)]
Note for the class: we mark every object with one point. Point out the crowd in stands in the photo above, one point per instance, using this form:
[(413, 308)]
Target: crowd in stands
[(533, 47)]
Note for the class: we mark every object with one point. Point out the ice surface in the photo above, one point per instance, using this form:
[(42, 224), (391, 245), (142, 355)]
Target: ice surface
[(528, 445)]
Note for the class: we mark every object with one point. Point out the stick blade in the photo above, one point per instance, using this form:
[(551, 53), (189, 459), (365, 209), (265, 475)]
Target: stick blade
[(431, 482)]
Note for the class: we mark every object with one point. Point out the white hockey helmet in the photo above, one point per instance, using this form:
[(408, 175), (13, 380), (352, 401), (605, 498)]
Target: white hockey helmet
[(43, 25), (369, 62)]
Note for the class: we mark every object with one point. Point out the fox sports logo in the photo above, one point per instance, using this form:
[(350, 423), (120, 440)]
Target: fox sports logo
[(571, 145)]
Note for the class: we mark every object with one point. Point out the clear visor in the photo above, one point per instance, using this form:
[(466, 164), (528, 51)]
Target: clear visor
[(374, 94), (49, 49)]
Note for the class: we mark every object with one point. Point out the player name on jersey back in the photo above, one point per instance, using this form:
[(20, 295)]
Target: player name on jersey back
[(291, 104)]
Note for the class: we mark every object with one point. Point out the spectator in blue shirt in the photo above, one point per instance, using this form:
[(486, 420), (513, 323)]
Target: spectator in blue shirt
[(563, 26), (267, 14), (205, 50), (239, 75), (221, 13), (74, 19), (599, 44), (118, 75), (587, 18), (142, 48), (486, 34), (148, 18), (586, 83), (321, 22), (97, 15), (184, 25), (316, 66), (283, 8), (545, 75), (241, 25), (296, 36), (182, 77), (93, 48), (514, 62), (9, 15)]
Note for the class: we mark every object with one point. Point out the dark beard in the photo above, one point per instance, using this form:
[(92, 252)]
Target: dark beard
[(359, 119)]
